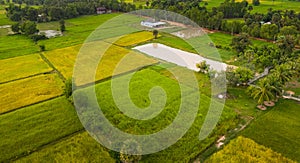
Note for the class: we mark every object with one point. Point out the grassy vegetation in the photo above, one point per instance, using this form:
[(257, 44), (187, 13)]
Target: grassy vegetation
[(278, 129), (264, 5), (64, 59), (79, 148), (246, 150), (174, 41), (187, 147), (78, 29), (3, 32), (3, 19), (225, 40), (21, 67), (22, 45), (135, 38), (25, 130), (29, 91), (241, 102), (222, 41)]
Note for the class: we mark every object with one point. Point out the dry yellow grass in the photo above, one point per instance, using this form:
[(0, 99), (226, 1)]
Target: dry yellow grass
[(21, 67), (29, 91), (63, 59), (135, 38), (111, 57)]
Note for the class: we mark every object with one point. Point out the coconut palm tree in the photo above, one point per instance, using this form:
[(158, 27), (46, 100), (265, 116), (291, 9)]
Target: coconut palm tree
[(283, 73), (263, 91)]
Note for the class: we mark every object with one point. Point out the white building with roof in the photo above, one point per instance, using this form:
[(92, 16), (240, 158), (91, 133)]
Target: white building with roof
[(152, 24)]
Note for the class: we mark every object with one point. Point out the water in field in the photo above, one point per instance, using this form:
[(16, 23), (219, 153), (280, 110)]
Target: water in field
[(178, 57)]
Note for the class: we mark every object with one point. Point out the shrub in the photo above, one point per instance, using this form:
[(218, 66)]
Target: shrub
[(68, 88), (42, 48)]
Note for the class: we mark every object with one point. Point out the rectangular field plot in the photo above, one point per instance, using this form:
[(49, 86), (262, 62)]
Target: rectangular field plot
[(278, 129), (21, 67), (111, 55), (135, 38), (79, 148), (63, 59), (27, 129), (29, 91), (16, 45), (141, 84)]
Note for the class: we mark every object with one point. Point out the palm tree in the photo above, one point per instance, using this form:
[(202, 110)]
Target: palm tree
[(263, 91), (283, 73)]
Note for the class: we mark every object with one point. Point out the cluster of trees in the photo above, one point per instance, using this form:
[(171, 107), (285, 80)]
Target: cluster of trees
[(267, 26), (281, 59), (52, 10), (199, 14), (272, 24)]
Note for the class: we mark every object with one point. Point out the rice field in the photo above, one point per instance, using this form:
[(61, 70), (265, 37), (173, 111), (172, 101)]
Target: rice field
[(186, 148), (26, 130), (264, 5), (16, 45), (78, 148), (246, 150), (64, 60), (29, 91), (21, 67), (278, 129), (135, 38)]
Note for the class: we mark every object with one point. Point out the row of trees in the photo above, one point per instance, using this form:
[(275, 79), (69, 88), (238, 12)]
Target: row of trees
[(56, 9), (267, 26)]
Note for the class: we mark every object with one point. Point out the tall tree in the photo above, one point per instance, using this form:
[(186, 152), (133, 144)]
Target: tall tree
[(240, 43), (29, 28), (155, 33), (62, 25)]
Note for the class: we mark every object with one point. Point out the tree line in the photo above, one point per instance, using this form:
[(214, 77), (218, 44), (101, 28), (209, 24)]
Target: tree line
[(267, 26), (53, 10)]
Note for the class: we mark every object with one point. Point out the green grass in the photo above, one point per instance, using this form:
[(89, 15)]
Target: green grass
[(3, 19), (16, 45), (222, 41), (29, 91), (78, 29), (78, 148), (25, 130), (174, 41), (263, 7), (225, 40), (3, 32), (246, 150), (241, 102), (186, 148), (278, 129), (21, 67)]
